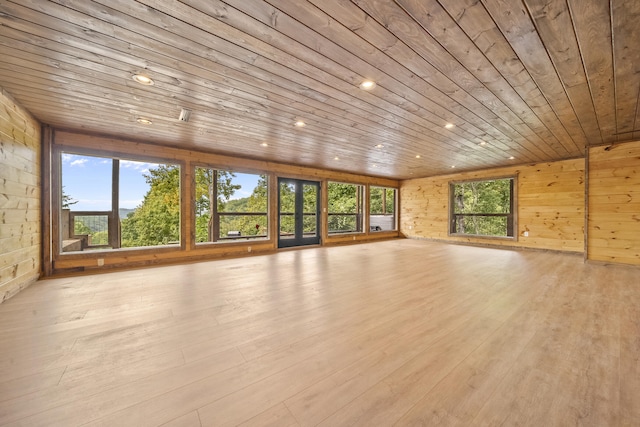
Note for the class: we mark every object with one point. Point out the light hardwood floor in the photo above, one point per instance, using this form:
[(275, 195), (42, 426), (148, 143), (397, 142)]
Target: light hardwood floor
[(402, 332)]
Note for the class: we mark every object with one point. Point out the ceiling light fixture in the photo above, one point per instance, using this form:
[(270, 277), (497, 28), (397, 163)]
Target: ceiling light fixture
[(300, 124), (453, 166), (144, 121), (379, 146), (418, 156), (367, 85), (336, 158), (483, 143), (449, 126), (264, 144), (143, 80), (511, 158)]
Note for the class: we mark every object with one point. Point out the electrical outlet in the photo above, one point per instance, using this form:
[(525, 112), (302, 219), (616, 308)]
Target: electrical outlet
[(525, 234), (249, 249), (100, 262)]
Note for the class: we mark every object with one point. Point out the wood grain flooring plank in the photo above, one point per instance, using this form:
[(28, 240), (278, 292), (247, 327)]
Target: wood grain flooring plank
[(405, 332)]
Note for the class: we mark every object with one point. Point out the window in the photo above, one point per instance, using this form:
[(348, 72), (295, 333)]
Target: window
[(382, 209), (111, 203), (482, 208), (240, 211), (345, 207)]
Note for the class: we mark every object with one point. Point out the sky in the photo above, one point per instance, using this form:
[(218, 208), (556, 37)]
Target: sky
[(87, 180)]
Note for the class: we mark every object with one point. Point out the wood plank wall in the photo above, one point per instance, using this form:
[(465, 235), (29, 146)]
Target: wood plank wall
[(20, 177), (72, 141), (614, 203), (551, 200)]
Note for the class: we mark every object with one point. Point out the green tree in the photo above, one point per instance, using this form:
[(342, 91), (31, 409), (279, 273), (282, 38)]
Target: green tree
[(248, 225), (81, 228), (157, 220), (482, 197), (381, 200), (67, 200), (345, 207)]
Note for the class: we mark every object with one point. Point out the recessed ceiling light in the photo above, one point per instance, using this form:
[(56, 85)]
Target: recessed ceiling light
[(143, 80), (418, 156), (379, 146), (374, 166), (449, 126), (300, 124), (144, 121), (264, 144), (336, 158), (453, 166), (511, 158), (368, 85), (483, 143)]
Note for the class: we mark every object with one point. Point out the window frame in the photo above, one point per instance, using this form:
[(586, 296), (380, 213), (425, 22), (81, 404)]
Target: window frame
[(513, 214), (396, 193), (56, 185), (360, 188), (231, 240)]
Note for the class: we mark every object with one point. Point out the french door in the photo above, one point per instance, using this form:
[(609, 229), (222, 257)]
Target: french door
[(298, 212)]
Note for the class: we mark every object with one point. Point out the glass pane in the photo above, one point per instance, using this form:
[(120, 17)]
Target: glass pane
[(86, 201), (345, 207), (148, 200), (382, 202), (482, 225), (310, 206), (482, 207), (241, 206), (493, 196), (287, 210), (149, 204)]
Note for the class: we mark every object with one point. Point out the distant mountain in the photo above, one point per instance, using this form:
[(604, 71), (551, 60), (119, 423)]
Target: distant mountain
[(123, 213)]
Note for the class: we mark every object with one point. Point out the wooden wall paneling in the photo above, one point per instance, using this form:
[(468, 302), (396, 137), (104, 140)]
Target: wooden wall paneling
[(20, 181), (392, 74), (388, 46), (614, 203), (517, 27), (626, 33), (456, 56), (70, 87), (536, 80), (436, 83), (273, 72), (298, 52), (319, 59), (550, 206), (475, 21), (208, 64), (241, 122), (552, 20), (594, 35)]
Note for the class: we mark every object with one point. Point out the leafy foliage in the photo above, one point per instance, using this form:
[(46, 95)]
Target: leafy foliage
[(381, 200), (246, 225), (67, 200), (345, 207), (157, 220), (482, 197)]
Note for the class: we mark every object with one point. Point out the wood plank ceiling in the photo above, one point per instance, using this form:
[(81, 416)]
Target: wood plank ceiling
[(536, 80)]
